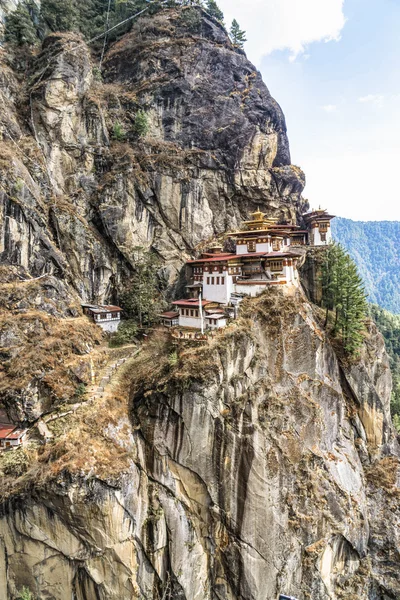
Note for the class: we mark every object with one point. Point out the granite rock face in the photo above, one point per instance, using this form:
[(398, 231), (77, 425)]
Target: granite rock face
[(80, 189), (260, 474), (216, 148), (270, 466)]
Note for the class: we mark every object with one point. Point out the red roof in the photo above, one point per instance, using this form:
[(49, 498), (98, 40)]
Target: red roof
[(217, 258), (10, 432), (281, 255), (253, 254), (169, 315), (191, 302), (247, 255), (215, 255), (102, 308)]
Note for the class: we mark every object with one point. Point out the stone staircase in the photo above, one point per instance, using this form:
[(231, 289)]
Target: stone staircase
[(108, 375)]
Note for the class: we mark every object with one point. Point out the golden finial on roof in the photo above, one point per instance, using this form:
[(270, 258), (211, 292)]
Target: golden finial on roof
[(258, 215)]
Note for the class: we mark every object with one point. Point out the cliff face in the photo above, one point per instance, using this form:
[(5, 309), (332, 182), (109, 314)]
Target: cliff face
[(216, 148), (256, 465), (80, 189)]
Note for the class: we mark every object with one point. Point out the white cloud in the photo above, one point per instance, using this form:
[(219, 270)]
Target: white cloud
[(285, 24), (352, 190), (376, 99), (330, 108)]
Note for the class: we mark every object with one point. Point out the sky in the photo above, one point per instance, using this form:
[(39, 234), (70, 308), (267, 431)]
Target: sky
[(334, 67)]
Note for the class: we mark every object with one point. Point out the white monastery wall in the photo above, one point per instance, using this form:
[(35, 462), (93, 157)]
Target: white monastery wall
[(109, 326), (217, 292), (185, 321)]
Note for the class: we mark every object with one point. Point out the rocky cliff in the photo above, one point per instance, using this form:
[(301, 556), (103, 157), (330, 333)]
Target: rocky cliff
[(80, 189), (261, 463), (253, 466)]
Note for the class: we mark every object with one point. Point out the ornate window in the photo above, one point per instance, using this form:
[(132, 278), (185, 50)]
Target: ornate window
[(276, 265)]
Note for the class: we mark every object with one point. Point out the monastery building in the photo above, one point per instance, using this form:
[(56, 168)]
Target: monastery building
[(265, 254)]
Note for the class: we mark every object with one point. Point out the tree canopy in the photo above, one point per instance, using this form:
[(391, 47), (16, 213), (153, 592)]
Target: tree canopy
[(142, 299), (20, 28), (238, 36), (28, 24), (343, 295), (375, 248)]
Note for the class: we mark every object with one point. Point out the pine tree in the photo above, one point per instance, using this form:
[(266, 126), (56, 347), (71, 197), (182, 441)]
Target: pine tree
[(343, 292), (60, 15), (20, 28), (214, 10), (141, 299), (238, 36)]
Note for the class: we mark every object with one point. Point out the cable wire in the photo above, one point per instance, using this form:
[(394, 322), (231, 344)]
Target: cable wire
[(106, 32)]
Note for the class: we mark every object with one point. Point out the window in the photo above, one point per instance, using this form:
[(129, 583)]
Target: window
[(196, 314), (212, 280), (217, 280), (115, 315), (276, 265), (251, 246), (191, 313), (222, 280), (323, 237), (208, 281), (102, 316), (323, 226)]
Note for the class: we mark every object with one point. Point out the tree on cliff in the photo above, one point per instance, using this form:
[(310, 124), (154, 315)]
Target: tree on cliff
[(20, 28), (238, 36), (214, 10), (343, 295), (60, 15), (141, 299)]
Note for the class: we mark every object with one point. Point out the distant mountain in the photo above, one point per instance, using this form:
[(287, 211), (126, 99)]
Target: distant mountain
[(375, 247)]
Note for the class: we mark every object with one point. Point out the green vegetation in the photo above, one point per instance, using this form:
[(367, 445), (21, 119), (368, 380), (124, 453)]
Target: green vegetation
[(191, 19), (80, 391), (26, 594), (20, 29), (142, 298), (60, 15), (141, 125), (118, 132), (389, 325), (126, 334), (344, 298), (238, 36), (374, 246), (29, 24), (214, 10)]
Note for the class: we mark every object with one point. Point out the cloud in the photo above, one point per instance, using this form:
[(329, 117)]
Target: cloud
[(285, 24), (330, 108), (353, 195), (377, 99)]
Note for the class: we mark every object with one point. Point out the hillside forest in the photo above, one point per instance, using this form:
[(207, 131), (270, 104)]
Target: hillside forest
[(374, 246)]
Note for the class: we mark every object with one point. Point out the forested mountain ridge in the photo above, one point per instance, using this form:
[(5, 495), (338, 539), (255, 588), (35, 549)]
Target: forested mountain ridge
[(375, 247)]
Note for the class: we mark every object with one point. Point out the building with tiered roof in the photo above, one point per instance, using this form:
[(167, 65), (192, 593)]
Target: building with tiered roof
[(266, 254)]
